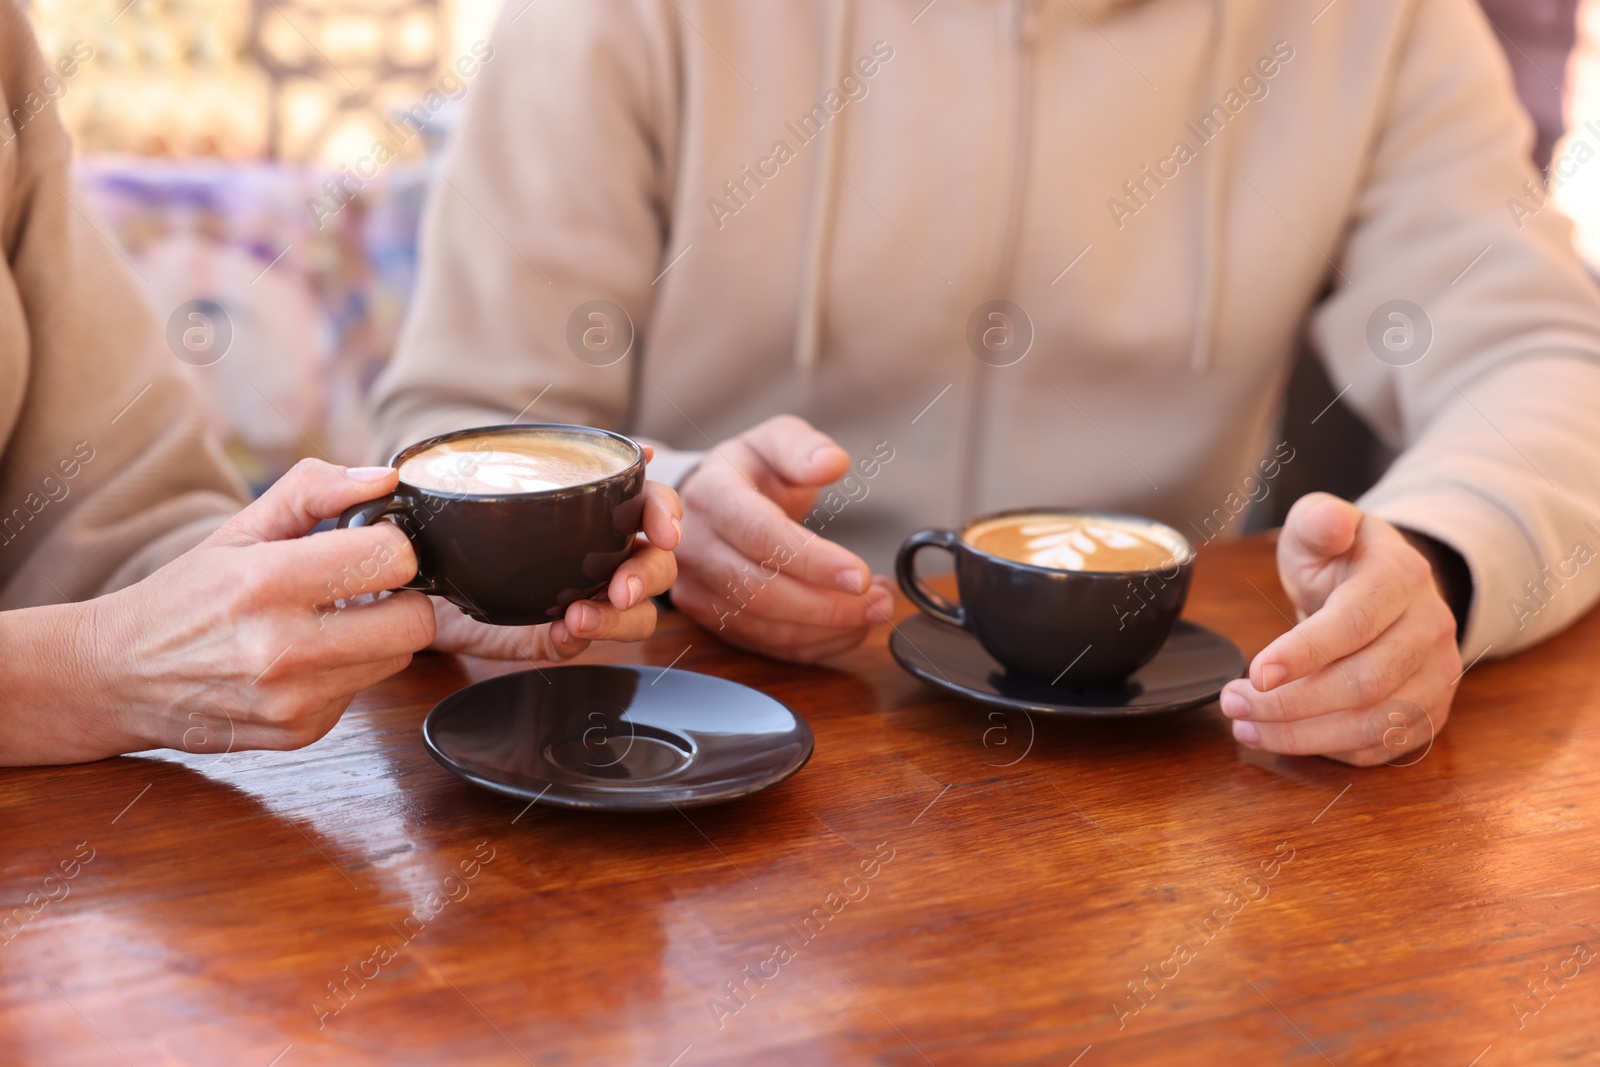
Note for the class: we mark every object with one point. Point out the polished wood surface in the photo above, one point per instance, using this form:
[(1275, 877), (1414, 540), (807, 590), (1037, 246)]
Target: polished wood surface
[(972, 899)]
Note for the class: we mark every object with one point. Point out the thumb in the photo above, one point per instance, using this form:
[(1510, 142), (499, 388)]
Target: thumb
[(1319, 529), (310, 492), (797, 452), (1320, 526)]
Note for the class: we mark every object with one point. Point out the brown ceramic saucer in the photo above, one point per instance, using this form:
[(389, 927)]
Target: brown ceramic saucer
[(1190, 670), (617, 738)]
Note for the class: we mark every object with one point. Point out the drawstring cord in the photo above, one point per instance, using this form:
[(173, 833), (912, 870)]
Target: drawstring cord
[(813, 285), (1213, 208)]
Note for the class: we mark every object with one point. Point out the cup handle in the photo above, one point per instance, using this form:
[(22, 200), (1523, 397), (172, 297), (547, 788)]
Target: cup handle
[(905, 571), (370, 511)]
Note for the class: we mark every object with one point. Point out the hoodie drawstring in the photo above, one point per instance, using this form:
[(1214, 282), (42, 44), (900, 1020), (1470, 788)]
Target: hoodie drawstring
[(1213, 208), (813, 282)]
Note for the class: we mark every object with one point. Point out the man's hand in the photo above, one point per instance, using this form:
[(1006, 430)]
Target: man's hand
[(754, 575), (627, 613), (1368, 675)]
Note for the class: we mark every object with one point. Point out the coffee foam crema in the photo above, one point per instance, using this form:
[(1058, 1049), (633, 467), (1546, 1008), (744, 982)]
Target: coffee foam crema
[(1079, 542), (513, 463)]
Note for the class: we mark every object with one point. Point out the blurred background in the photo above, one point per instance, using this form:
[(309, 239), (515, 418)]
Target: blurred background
[(208, 131)]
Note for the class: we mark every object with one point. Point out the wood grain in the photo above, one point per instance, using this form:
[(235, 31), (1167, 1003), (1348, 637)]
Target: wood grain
[(1406, 911)]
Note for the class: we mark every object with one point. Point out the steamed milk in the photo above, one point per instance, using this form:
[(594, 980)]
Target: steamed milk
[(512, 463), (1076, 542)]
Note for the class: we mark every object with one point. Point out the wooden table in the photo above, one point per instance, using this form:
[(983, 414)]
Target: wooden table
[(233, 908)]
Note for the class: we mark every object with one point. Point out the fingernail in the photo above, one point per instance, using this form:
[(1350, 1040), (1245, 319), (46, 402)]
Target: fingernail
[(1234, 706), (816, 453), (882, 603), (1272, 676), (1245, 732), (588, 617), (635, 591), (849, 580), (368, 474), (677, 529)]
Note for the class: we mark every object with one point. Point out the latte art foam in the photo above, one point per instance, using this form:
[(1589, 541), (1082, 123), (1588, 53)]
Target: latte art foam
[(1074, 543), (511, 463)]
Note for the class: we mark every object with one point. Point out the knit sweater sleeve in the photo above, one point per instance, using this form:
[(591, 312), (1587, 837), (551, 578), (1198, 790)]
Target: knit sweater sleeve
[(107, 471), (1468, 333)]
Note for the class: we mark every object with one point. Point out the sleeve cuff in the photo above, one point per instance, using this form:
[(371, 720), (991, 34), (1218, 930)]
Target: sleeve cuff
[(670, 465), (1499, 553)]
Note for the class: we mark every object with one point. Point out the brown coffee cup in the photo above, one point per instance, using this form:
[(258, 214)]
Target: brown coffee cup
[(1059, 617), (515, 549)]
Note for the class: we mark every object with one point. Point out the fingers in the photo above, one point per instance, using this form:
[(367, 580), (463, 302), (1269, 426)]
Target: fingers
[(663, 512), (336, 564), (594, 620), (284, 728), (340, 685), (585, 621), (1378, 704), (796, 452), (1357, 681), (773, 594), (1399, 728), (310, 492), (456, 632), (1366, 604), (649, 572), (296, 717), (765, 538), (368, 633), (1320, 526), (789, 592), (295, 723), (628, 613), (1320, 535), (781, 639), (1351, 731), (788, 641), (559, 642), (820, 650)]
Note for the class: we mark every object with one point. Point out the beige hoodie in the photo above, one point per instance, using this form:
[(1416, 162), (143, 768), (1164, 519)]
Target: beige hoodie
[(107, 471), (804, 206)]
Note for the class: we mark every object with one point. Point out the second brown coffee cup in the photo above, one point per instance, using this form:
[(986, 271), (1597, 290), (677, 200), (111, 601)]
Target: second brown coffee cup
[(1078, 597), (513, 523)]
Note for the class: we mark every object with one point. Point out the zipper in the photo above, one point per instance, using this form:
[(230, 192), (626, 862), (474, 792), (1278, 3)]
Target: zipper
[(1026, 28)]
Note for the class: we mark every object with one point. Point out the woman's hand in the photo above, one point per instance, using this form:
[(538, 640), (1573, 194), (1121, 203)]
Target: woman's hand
[(1369, 675), (627, 613), (236, 644)]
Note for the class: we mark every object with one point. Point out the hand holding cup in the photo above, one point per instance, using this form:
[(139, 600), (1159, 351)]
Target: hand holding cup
[(238, 643), (518, 527)]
